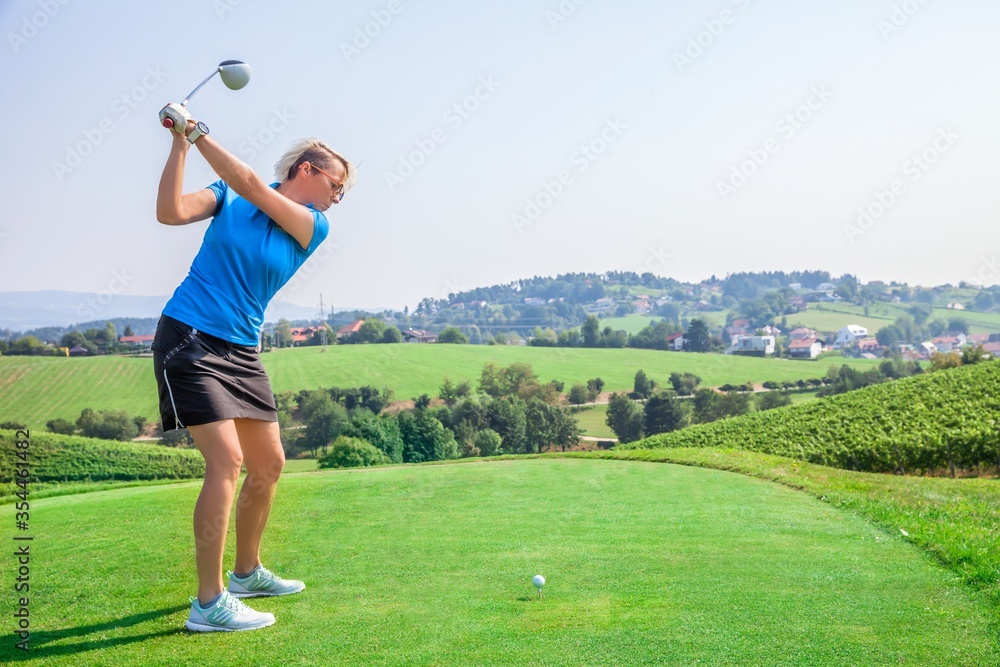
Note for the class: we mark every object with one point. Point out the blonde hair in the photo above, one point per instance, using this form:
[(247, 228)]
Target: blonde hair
[(316, 152)]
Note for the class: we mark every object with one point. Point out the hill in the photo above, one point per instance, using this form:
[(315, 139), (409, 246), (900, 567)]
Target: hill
[(923, 423), (36, 389)]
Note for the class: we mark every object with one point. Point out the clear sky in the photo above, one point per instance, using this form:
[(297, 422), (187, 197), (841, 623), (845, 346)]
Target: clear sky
[(684, 138)]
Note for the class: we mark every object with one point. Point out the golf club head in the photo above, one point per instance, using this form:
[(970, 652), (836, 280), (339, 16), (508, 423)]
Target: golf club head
[(235, 73)]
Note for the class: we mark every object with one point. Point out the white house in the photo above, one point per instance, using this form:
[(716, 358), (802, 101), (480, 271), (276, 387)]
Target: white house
[(534, 301), (825, 287), (607, 303), (675, 341), (949, 343), (763, 344), (418, 336), (805, 348), (850, 335)]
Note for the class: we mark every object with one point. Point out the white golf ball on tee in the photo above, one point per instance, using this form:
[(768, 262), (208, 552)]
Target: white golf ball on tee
[(538, 581)]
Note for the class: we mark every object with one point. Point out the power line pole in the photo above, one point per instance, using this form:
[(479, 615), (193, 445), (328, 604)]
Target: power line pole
[(322, 321)]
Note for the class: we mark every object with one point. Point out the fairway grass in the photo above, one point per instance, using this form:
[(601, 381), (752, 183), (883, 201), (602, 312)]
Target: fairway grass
[(593, 421), (34, 390), (646, 563)]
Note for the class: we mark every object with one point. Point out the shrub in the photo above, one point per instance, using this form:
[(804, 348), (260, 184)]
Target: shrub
[(107, 425), (348, 452), (487, 442), (63, 426), (179, 437)]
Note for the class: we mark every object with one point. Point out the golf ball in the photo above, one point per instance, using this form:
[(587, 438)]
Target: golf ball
[(538, 580)]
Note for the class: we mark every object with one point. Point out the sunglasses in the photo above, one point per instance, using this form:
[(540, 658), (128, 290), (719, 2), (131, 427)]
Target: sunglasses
[(338, 190)]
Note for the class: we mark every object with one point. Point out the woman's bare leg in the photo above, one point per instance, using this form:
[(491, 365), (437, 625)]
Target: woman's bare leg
[(219, 443), (264, 458)]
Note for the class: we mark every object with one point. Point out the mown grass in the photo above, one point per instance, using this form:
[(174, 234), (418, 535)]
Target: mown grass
[(417, 565), (633, 324), (829, 317), (956, 521), (591, 419), (833, 316), (34, 390)]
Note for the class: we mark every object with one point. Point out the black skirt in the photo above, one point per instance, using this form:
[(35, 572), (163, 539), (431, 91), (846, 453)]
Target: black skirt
[(202, 378)]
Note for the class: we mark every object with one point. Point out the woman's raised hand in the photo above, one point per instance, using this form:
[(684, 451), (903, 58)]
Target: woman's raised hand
[(175, 117)]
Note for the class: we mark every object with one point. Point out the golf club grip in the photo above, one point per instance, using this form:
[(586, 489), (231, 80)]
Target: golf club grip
[(168, 123)]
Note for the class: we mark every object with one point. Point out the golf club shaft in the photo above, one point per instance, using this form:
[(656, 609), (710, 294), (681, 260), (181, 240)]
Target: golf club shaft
[(198, 87)]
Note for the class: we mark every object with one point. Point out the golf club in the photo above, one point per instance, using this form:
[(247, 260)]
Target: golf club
[(234, 73)]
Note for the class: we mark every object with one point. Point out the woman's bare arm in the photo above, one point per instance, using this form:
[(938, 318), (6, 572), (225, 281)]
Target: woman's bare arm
[(294, 218), (172, 206)]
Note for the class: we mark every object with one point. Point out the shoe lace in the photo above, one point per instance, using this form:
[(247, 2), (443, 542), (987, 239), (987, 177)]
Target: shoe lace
[(236, 605)]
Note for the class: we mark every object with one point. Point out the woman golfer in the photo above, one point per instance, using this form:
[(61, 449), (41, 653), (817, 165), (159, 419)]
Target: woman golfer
[(205, 353)]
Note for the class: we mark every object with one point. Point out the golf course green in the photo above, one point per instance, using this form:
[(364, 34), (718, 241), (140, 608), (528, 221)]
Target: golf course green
[(646, 564)]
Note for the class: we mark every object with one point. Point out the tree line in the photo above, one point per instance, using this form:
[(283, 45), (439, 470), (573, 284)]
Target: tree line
[(510, 411)]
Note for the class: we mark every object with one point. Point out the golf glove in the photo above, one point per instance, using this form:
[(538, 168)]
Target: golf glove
[(178, 115)]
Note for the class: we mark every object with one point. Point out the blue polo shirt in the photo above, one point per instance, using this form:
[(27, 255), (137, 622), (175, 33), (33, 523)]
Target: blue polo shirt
[(245, 258)]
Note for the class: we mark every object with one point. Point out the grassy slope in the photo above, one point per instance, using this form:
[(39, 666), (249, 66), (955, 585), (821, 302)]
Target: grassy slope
[(833, 316), (646, 564), (36, 389), (956, 520), (978, 322), (592, 421), (630, 323)]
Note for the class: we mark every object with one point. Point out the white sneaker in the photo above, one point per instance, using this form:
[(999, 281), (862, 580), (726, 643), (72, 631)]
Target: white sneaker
[(226, 615), (261, 582)]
